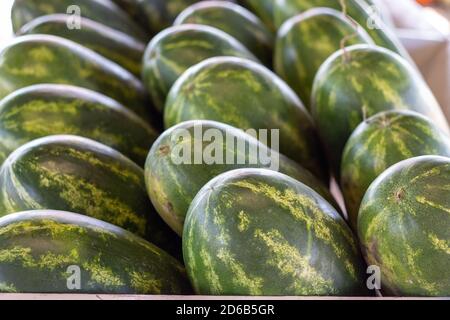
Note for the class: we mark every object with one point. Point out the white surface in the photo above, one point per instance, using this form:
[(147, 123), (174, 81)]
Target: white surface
[(5, 21)]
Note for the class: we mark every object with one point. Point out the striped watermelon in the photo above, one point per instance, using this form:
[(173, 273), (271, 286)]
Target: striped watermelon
[(234, 20), (76, 174), (263, 9), (357, 83), (246, 95), (154, 15), (49, 109), (380, 142), (172, 185), (35, 59), (404, 225), (110, 43), (40, 250), (176, 49), (305, 41), (259, 232), (359, 10), (102, 11)]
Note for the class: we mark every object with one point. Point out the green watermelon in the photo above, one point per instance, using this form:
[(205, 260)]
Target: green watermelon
[(154, 15), (102, 11), (35, 59), (380, 142), (359, 82), (263, 9), (50, 109), (176, 49), (404, 224), (40, 251), (259, 232), (173, 185), (124, 50), (359, 10), (246, 95), (80, 175), (234, 20), (307, 40)]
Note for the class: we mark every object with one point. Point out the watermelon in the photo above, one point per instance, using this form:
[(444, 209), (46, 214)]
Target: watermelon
[(246, 95), (176, 49), (259, 232), (305, 41), (50, 109), (263, 9), (359, 82), (34, 59), (40, 250), (154, 15), (80, 175), (404, 225), (110, 43), (172, 185), (380, 142), (234, 20), (359, 10), (102, 11)]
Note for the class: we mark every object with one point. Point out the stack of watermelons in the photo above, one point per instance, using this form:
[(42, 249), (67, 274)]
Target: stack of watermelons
[(88, 87)]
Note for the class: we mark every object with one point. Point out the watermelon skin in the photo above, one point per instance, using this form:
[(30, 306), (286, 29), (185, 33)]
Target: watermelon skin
[(35, 59), (262, 8), (102, 11), (172, 186), (37, 248), (75, 174), (234, 20), (246, 95), (154, 15), (404, 227), (259, 232), (51, 109), (380, 142), (328, 28), (175, 49), (359, 10), (124, 50), (345, 93)]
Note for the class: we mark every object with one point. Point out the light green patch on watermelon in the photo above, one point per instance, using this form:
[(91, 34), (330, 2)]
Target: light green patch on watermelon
[(56, 230), (52, 261), (245, 76), (42, 54), (440, 244), (290, 263), (102, 274), (244, 221), (425, 201), (219, 221), (145, 282), (297, 206), (391, 95), (80, 194), (17, 254), (210, 273), (7, 288), (114, 166), (241, 279), (36, 70)]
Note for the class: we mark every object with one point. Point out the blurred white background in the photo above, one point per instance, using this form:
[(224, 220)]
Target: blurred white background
[(5, 20)]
